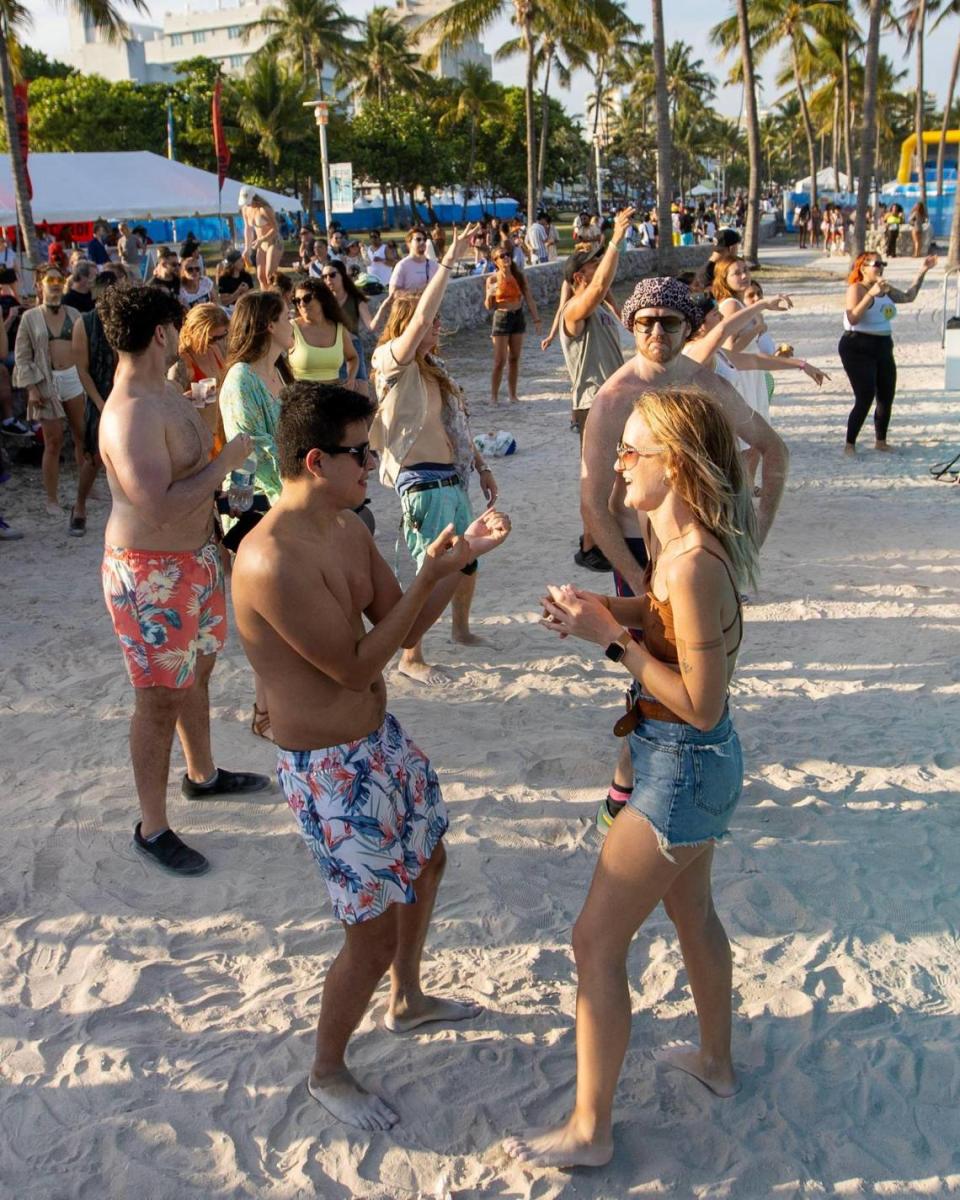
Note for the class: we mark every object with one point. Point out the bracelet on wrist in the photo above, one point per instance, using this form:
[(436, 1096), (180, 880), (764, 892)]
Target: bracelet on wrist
[(615, 246), (470, 568), (444, 264)]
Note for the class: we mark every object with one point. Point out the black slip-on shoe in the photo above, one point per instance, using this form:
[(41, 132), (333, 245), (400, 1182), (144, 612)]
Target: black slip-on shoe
[(77, 526), (170, 853), (226, 783), (593, 559)]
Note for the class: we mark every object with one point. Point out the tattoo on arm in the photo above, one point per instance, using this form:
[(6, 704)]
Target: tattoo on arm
[(684, 648)]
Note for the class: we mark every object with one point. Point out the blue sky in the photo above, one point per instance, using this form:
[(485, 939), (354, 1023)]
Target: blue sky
[(690, 20)]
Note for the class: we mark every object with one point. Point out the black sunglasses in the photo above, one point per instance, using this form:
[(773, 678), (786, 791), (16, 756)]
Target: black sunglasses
[(301, 300), (668, 324), (361, 453), (879, 264)]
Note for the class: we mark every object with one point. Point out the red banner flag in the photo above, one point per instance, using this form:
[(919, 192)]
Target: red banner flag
[(21, 114), (219, 140)]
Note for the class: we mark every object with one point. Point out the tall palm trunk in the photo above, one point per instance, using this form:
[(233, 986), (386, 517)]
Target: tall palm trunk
[(847, 149), (835, 139), (918, 118), (598, 100), (946, 116), (524, 19), (662, 99), (471, 166), (384, 207), (752, 231), (868, 125), (24, 208), (807, 124), (544, 122)]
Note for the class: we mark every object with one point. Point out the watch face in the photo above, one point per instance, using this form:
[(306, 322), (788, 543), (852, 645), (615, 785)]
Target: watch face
[(615, 651)]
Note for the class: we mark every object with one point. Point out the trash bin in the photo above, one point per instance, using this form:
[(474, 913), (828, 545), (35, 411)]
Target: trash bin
[(951, 352)]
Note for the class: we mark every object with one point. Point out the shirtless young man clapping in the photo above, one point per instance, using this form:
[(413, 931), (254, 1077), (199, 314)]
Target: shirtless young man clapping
[(366, 799)]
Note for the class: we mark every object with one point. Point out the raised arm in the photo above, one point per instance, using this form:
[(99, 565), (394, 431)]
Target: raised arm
[(405, 346), (705, 347), (911, 293), (587, 301)]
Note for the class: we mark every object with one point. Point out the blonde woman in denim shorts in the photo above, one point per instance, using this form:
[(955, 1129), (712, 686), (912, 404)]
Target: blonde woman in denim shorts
[(681, 470)]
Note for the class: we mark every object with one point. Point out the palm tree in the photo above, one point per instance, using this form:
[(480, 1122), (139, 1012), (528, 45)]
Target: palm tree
[(868, 125), (915, 20), (382, 61), (751, 243), (468, 18), (311, 33), (477, 96), (951, 10), (789, 24), (662, 101), (687, 81), (15, 20), (615, 51), (269, 102)]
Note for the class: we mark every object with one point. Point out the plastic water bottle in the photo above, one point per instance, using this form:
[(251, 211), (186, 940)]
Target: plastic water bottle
[(241, 484)]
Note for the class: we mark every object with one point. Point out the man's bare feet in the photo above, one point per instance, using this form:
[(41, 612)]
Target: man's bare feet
[(422, 672), (468, 639), (722, 1081), (561, 1147), (429, 1009), (514, 399), (884, 446), (345, 1099), (849, 450)]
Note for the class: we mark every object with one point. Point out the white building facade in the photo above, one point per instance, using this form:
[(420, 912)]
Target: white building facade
[(412, 14)]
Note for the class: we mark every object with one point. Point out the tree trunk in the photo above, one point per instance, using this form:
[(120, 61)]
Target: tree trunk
[(664, 185), (918, 121), (598, 100), (868, 125), (28, 230), (847, 149), (751, 239), (471, 165), (835, 139), (951, 88), (525, 14), (807, 125), (544, 125), (384, 208)]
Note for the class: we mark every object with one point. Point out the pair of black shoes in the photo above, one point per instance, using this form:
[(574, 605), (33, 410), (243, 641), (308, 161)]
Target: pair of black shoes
[(170, 852), (593, 559)]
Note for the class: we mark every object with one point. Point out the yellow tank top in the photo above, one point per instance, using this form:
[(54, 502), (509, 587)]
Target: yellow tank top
[(318, 364)]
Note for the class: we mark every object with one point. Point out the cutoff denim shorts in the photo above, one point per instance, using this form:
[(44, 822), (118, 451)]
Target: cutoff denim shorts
[(686, 782)]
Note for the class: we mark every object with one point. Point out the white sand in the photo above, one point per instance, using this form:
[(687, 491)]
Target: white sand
[(155, 1034)]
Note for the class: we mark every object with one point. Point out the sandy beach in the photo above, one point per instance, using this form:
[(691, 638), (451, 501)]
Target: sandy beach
[(155, 1034)]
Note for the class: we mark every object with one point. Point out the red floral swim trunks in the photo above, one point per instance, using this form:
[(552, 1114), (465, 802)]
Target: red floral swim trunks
[(167, 607)]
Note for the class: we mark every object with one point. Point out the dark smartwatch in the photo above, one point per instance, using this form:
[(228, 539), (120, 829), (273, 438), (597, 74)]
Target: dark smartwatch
[(618, 647), (469, 569)]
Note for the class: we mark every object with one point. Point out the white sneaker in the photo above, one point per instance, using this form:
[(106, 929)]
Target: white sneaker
[(7, 534)]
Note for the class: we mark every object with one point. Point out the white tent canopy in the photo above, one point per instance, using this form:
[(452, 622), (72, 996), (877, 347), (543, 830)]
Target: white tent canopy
[(826, 179), (114, 185)]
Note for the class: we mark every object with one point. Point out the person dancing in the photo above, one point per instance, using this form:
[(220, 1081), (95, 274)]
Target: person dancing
[(261, 235), (505, 294), (866, 345), (684, 477)]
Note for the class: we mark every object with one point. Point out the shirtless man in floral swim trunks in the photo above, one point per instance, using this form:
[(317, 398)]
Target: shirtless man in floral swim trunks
[(320, 615), (162, 578)]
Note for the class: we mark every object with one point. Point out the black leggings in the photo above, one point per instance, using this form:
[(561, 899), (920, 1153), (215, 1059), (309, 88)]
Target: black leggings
[(868, 361)]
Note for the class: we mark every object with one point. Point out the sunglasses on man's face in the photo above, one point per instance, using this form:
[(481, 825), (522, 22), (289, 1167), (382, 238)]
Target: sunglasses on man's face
[(667, 324), (191, 270), (361, 454)]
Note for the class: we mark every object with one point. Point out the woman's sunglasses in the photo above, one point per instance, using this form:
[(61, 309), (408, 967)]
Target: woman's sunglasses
[(627, 456), (300, 301), (878, 265)]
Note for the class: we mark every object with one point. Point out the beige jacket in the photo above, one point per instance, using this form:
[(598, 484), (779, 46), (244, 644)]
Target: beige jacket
[(401, 413), (31, 364)]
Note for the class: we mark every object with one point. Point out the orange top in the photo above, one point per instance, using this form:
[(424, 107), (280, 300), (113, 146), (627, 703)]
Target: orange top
[(656, 620), (508, 290)]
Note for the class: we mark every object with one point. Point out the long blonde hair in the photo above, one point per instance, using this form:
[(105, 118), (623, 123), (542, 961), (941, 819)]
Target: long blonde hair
[(199, 326), (703, 463), (401, 314)]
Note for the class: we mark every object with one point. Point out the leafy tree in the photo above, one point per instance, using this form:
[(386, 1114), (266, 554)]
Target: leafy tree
[(87, 112), (266, 103), (310, 33), (382, 61), (475, 95), (34, 64)]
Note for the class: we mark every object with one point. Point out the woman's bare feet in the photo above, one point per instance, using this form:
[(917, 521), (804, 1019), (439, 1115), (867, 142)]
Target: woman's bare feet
[(564, 1146), (850, 450), (422, 672), (428, 1009), (884, 446), (345, 1099), (514, 399), (466, 638), (684, 1056)]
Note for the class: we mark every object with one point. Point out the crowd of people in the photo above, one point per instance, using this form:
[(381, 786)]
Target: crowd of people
[(192, 392), (830, 227)]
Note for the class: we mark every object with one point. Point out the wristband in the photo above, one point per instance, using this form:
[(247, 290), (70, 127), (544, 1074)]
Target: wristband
[(484, 470), (470, 568), (615, 246), (443, 264)]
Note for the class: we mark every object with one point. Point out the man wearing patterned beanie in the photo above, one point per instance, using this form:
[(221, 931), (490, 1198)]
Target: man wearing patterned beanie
[(661, 314)]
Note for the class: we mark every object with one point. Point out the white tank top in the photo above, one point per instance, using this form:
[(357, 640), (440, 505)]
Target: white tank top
[(876, 320)]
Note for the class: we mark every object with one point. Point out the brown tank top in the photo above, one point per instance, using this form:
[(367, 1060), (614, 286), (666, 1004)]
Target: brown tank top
[(656, 621)]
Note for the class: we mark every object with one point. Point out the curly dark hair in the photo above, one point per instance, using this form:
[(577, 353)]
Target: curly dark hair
[(131, 315), (320, 292), (312, 416)]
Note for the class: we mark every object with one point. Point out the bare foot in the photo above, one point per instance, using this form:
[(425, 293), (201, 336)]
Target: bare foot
[(514, 399), (468, 639), (850, 451), (722, 1081), (422, 672), (561, 1147), (430, 1008), (53, 509), (345, 1099), (884, 446)]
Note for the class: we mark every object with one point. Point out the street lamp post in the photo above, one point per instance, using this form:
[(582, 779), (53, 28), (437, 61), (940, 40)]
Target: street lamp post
[(321, 114)]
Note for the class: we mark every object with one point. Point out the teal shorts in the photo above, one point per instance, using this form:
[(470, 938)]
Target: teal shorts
[(427, 514)]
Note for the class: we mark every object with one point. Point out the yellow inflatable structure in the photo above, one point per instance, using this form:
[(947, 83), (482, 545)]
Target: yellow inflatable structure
[(909, 146)]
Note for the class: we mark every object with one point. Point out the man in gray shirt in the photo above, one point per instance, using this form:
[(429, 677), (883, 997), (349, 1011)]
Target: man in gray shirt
[(590, 340)]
